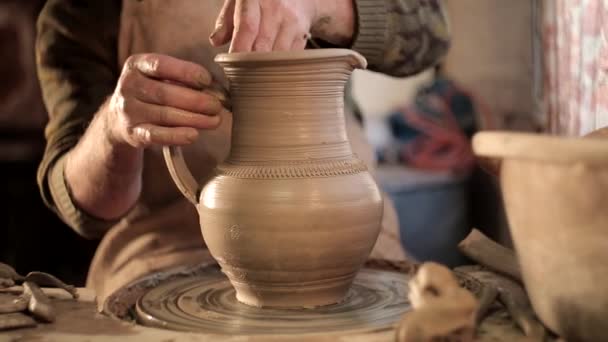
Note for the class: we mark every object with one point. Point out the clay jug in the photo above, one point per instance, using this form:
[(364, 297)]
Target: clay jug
[(555, 191), (292, 214)]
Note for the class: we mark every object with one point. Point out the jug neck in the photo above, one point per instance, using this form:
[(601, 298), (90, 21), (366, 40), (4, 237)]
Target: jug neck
[(291, 110)]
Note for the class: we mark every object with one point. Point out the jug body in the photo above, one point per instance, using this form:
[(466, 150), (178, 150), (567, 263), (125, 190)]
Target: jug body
[(292, 214)]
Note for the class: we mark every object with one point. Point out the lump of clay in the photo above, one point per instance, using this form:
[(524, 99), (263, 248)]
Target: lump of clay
[(33, 299), (45, 279), (443, 311), (15, 321), (39, 304), (7, 273), (13, 305)]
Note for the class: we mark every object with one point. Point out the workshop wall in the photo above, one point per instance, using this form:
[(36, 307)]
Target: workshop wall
[(495, 56), (492, 56)]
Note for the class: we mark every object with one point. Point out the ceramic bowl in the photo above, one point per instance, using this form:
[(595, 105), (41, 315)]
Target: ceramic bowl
[(555, 192)]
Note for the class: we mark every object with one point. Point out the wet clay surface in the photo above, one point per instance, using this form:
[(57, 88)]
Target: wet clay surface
[(208, 303)]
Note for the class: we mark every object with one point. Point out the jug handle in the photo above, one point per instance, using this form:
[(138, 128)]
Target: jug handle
[(180, 173)]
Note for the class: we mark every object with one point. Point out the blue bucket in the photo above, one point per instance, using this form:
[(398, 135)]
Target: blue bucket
[(433, 212)]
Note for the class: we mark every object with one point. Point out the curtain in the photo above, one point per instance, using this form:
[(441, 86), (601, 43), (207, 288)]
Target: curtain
[(575, 79)]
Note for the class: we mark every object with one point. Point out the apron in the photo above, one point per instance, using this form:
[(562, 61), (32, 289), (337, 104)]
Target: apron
[(163, 230)]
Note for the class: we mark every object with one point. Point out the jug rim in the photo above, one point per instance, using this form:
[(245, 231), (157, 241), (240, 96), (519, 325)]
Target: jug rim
[(540, 147), (357, 60)]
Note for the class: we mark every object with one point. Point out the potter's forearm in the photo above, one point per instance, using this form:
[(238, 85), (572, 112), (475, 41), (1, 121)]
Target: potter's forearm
[(104, 177), (335, 22)]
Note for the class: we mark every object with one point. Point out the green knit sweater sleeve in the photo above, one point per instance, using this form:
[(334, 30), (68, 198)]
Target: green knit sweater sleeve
[(401, 37)]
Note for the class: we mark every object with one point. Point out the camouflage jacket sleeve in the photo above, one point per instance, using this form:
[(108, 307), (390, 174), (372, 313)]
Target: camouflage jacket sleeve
[(401, 37)]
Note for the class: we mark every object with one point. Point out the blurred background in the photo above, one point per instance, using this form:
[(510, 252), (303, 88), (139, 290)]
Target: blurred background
[(420, 128), (31, 236)]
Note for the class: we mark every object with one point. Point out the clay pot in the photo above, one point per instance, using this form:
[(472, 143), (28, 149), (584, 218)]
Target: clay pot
[(292, 214), (555, 192)]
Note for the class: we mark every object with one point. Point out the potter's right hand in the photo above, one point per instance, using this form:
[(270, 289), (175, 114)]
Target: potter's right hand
[(158, 100)]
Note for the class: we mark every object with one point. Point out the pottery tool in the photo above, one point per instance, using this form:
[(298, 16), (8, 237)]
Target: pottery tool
[(486, 252), (29, 297)]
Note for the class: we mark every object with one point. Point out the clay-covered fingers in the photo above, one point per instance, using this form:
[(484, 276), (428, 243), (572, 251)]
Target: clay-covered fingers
[(145, 123), (293, 33), (168, 68), (247, 16), (299, 42), (143, 135), (264, 25), (269, 28), (285, 37), (141, 112), (172, 95), (224, 24), (159, 100)]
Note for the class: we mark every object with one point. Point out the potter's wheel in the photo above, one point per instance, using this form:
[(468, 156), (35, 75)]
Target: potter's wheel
[(207, 303)]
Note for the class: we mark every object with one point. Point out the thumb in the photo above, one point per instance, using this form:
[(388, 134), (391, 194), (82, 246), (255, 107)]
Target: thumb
[(224, 25)]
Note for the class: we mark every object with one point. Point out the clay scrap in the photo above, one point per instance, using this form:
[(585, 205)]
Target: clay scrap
[(443, 310), (446, 311), (486, 252), (487, 297), (499, 281), (39, 304), (12, 305), (8, 276), (48, 280), (513, 297), (16, 302), (15, 321)]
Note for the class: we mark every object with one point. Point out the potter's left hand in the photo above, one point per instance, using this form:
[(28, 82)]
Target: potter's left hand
[(274, 25)]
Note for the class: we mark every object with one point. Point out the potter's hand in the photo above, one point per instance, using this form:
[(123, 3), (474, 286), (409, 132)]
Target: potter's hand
[(158, 100), (271, 25)]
